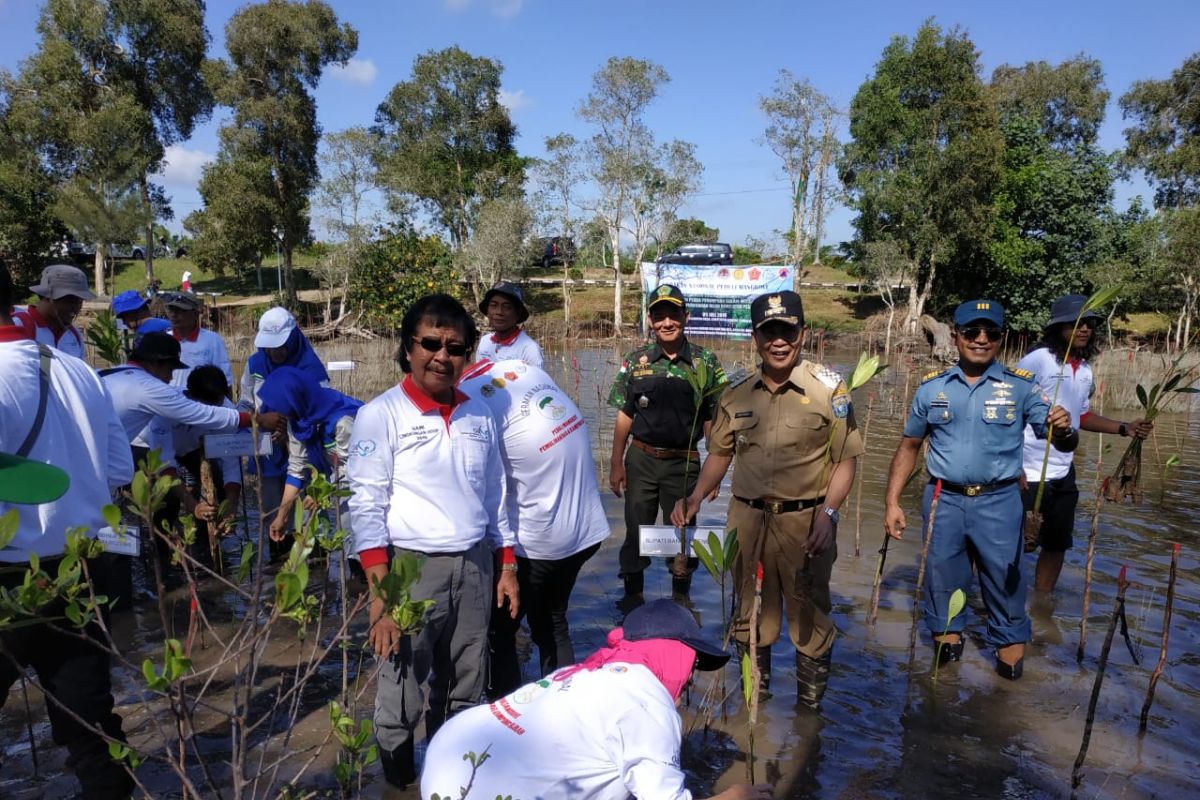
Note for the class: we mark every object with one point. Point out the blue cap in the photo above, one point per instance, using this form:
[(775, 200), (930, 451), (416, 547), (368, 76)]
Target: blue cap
[(153, 325), (1069, 308), (666, 619), (976, 310), (129, 300)]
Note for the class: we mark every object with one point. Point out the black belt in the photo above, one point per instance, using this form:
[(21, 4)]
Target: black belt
[(664, 452), (780, 506), (976, 489)]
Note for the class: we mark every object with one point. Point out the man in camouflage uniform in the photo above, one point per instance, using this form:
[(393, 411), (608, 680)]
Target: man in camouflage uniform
[(790, 430), (658, 406)]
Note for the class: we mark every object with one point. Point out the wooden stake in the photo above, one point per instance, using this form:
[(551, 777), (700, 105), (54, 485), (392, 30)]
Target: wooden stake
[(1087, 571), (1166, 631), (861, 475), (883, 549), (208, 492), (1077, 772), (752, 652), (916, 612)]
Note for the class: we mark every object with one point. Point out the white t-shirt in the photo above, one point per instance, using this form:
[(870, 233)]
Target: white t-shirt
[(554, 506), (522, 346), (204, 347), (80, 434), (1074, 394), (600, 735)]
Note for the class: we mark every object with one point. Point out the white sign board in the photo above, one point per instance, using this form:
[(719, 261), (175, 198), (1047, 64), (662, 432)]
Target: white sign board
[(126, 544), (340, 366), (663, 540), (235, 445)]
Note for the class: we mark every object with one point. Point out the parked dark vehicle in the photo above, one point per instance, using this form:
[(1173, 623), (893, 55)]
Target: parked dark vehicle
[(699, 254), (557, 250)]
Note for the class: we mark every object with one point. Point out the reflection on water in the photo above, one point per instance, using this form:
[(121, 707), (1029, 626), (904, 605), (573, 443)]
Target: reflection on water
[(884, 730)]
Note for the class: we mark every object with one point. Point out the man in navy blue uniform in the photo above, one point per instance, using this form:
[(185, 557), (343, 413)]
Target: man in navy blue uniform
[(974, 415)]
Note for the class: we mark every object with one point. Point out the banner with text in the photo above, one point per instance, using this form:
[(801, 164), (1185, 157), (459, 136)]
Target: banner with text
[(718, 296)]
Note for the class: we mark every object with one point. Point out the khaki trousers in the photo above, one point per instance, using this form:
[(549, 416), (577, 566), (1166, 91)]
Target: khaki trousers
[(793, 583)]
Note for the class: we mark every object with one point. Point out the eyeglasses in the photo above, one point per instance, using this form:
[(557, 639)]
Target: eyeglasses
[(971, 333), (431, 344)]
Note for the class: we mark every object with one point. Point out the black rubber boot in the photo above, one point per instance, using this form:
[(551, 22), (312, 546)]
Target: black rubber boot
[(399, 766), (633, 593), (681, 585), (1012, 672), (812, 676), (945, 652)]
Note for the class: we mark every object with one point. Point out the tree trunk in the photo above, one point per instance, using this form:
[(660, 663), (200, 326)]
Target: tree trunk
[(289, 285), (98, 271), (918, 299), (148, 255), (939, 334), (566, 291), (615, 236), (798, 238), (887, 341), (819, 213)]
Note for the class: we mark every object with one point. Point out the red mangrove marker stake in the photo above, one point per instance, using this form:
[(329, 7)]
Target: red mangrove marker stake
[(1118, 606), (1087, 572), (916, 611), (1166, 632)]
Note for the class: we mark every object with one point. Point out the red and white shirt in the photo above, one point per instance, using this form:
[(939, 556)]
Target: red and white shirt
[(1069, 386), (37, 328), (199, 349), (426, 476), (553, 504), (516, 344)]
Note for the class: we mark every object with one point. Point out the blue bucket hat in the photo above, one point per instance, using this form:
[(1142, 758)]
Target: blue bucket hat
[(127, 301), (666, 619), (976, 310), (1067, 309)]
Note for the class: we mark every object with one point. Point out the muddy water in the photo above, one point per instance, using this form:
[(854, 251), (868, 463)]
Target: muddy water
[(885, 728)]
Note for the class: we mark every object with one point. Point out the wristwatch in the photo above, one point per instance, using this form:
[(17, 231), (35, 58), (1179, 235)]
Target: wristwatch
[(832, 513), (1122, 430)]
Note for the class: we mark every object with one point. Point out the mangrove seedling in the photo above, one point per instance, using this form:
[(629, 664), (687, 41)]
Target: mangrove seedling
[(718, 559), (698, 376), (958, 601)]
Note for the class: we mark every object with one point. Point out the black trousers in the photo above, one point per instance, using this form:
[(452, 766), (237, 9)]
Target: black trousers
[(75, 672), (652, 485), (545, 592)]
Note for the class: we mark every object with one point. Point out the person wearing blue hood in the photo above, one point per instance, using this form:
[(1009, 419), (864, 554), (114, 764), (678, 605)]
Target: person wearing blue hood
[(280, 343), (320, 423)]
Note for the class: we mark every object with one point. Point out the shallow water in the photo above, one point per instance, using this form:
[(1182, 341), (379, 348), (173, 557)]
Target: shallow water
[(885, 728)]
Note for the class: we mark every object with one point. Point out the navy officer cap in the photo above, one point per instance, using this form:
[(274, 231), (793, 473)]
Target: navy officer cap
[(979, 310)]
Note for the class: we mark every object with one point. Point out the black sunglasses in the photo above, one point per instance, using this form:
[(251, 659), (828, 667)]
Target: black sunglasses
[(971, 332), (431, 344)]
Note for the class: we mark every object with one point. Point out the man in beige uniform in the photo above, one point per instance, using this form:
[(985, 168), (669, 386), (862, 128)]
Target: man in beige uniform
[(792, 432)]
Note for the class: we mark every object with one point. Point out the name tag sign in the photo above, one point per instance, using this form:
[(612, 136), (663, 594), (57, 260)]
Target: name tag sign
[(123, 544), (663, 540), (340, 366), (236, 445)]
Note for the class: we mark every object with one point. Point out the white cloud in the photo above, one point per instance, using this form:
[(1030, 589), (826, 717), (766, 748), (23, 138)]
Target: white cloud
[(514, 101), (361, 71), (507, 8), (183, 167)]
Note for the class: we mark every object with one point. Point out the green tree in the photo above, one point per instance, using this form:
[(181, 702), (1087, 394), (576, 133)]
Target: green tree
[(277, 53), (1066, 100), (348, 169), (396, 270), (446, 140), (1164, 140), (923, 162), (801, 131), (622, 147), (557, 178), (688, 231), (28, 226)]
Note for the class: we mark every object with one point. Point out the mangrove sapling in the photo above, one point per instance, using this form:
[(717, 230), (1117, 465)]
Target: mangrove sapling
[(1125, 482), (858, 489), (1033, 518), (958, 600), (916, 610), (718, 559), (1166, 635), (698, 376), (105, 339), (1118, 610)]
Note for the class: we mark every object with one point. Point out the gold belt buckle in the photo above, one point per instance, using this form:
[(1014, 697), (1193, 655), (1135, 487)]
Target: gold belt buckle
[(774, 506), (972, 491)]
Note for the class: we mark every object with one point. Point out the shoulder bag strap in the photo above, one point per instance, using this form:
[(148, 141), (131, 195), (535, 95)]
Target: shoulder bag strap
[(43, 396)]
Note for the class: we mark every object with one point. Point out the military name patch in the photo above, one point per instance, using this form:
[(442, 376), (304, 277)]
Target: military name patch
[(743, 414)]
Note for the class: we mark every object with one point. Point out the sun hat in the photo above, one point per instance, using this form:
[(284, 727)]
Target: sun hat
[(512, 292), (1067, 309), (666, 619), (975, 310), (63, 280), (153, 325), (274, 327), (126, 301), (30, 482), (188, 302)]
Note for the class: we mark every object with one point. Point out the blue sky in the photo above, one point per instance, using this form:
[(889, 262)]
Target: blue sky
[(721, 57)]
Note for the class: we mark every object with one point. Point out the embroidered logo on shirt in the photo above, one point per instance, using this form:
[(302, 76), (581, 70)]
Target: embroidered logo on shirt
[(841, 405), (363, 448), (487, 390), (550, 408)]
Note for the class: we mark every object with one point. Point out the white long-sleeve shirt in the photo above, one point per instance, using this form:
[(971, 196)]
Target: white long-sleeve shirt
[(519, 346), (81, 434), (149, 409), (426, 477)]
